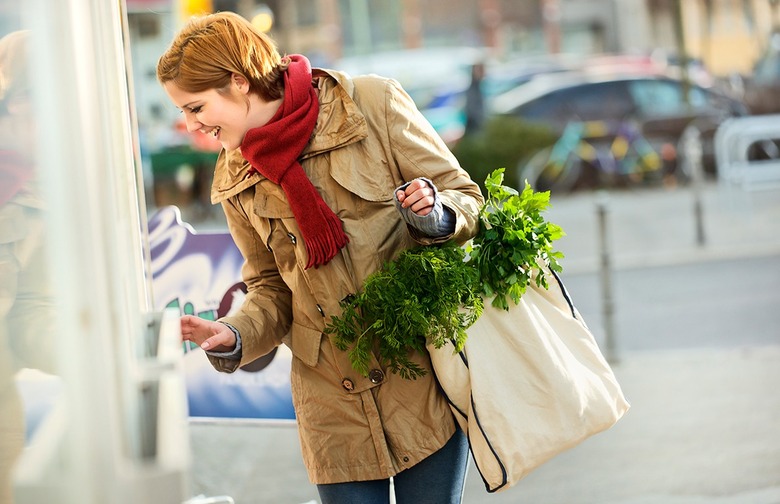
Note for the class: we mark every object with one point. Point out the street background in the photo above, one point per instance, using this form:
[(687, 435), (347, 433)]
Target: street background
[(695, 326), (695, 339), (696, 350)]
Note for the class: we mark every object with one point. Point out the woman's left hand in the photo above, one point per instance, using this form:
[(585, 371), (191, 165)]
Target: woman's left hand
[(418, 196)]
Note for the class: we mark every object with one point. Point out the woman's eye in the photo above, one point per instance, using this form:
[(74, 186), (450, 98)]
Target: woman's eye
[(196, 110)]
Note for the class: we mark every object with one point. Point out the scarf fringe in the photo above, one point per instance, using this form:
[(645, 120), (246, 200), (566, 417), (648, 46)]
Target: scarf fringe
[(323, 246)]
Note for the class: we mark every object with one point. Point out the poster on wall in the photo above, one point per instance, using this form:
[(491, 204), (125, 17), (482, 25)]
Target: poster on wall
[(200, 274)]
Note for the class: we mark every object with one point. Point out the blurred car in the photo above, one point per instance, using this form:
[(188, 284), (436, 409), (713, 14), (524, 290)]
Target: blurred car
[(437, 78), (762, 89), (654, 107)]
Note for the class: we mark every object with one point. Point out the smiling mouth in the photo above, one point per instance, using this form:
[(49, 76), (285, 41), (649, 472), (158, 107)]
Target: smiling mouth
[(213, 132)]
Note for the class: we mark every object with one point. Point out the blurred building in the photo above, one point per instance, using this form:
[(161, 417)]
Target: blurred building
[(728, 35), (429, 46), (732, 35)]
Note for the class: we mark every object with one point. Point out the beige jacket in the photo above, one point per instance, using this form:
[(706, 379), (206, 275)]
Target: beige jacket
[(369, 139)]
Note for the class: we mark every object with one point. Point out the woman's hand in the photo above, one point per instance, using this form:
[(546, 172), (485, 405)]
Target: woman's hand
[(418, 195), (207, 334)]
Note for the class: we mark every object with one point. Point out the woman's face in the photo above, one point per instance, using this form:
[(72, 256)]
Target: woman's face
[(226, 116)]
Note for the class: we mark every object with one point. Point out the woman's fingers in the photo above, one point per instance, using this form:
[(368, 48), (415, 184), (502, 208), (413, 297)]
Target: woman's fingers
[(207, 334), (418, 196), (189, 325), (223, 340)]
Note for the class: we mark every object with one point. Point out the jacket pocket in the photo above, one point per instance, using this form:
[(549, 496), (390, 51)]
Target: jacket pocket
[(270, 201), (365, 174), (304, 342)]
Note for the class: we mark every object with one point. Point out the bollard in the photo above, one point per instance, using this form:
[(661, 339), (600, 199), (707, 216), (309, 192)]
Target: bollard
[(607, 302), (691, 146)]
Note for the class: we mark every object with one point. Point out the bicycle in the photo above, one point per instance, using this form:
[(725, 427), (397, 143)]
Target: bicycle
[(593, 153)]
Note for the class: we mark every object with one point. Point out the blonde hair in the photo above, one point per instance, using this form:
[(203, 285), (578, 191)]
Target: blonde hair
[(210, 49)]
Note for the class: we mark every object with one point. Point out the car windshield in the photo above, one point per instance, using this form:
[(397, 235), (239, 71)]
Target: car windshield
[(663, 97), (599, 101), (585, 102)]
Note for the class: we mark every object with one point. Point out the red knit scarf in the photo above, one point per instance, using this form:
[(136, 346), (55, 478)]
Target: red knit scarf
[(273, 150)]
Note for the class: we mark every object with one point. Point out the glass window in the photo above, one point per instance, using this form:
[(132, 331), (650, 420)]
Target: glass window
[(656, 97), (665, 97), (549, 108), (600, 101), (76, 332)]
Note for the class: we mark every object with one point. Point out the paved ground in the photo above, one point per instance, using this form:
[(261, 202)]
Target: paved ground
[(658, 227), (704, 427)]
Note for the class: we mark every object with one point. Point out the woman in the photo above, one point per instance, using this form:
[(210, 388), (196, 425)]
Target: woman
[(323, 178)]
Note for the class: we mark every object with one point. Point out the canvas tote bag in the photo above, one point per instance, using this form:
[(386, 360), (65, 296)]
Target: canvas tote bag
[(530, 383)]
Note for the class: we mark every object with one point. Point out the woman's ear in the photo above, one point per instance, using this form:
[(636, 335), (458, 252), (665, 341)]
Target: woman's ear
[(240, 82)]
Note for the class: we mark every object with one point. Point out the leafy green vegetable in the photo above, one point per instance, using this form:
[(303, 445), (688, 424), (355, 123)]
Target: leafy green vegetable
[(426, 294), (512, 238), (433, 294)]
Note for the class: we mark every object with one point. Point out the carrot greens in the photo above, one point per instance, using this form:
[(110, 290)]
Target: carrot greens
[(433, 294)]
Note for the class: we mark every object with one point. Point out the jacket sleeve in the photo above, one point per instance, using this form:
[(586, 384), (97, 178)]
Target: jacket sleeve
[(265, 316), (419, 151)]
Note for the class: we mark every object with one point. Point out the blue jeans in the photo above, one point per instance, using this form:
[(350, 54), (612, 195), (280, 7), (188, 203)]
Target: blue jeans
[(438, 479)]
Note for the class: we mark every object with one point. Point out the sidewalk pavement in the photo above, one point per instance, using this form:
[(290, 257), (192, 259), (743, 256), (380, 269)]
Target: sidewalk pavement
[(656, 227), (704, 427)]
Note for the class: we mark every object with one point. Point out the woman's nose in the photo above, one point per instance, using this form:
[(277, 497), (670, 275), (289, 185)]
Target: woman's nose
[(193, 124)]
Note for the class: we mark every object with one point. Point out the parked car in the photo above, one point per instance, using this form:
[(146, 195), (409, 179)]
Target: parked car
[(437, 79), (762, 89), (621, 111)]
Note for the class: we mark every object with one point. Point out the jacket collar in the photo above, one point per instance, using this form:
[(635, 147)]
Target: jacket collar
[(339, 123)]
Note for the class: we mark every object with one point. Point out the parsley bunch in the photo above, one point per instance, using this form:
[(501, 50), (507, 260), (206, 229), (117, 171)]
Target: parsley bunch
[(433, 294), (512, 239)]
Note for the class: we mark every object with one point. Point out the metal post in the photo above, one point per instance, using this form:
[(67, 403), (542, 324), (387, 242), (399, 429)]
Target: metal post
[(690, 143), (607, 303)]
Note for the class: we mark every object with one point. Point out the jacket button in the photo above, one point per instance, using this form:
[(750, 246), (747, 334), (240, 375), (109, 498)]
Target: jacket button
[(376, 376), (406, 459), (292, 238), (319, 309), (347, 384)]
